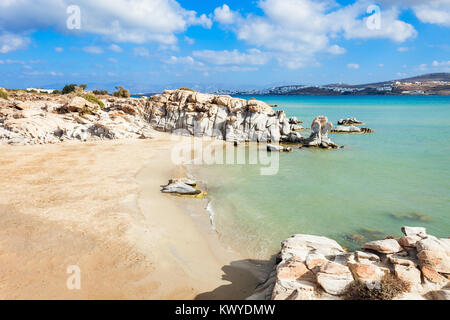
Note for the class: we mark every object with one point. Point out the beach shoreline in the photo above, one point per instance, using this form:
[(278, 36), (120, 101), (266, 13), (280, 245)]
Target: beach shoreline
[(99, 206)]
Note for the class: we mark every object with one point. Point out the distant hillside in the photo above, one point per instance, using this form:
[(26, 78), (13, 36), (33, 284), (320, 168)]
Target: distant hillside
[(427, 84)]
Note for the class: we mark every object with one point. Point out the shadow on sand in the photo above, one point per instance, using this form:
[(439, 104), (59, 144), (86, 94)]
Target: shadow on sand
[(244, 276)]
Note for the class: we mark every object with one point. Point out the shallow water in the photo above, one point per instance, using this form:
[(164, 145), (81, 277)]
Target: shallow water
[(397, 176)]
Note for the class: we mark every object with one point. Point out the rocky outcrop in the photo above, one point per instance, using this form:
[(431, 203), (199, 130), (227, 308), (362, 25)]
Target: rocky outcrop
[(351, 129), (278, 148), (40, 119), (311, 267), (32, 119), (349, 122), (183, 187), (224, 117)]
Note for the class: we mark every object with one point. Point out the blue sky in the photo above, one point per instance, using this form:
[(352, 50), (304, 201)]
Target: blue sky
[(149, 45)]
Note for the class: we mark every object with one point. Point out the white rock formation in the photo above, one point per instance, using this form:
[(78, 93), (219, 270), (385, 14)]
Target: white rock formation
[(311, 267)]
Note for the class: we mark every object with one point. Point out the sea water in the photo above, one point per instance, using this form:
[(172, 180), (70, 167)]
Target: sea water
[(398, 175)]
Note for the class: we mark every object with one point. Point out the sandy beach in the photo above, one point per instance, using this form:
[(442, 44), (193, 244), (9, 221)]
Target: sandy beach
[(98, 205)]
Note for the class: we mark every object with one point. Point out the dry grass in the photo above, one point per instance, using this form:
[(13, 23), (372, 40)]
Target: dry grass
[(388, 288)]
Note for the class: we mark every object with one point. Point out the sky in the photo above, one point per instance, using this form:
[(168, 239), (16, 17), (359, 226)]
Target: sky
[(150, 45)]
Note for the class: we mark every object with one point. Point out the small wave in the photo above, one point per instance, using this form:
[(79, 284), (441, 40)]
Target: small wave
[(211, 214)]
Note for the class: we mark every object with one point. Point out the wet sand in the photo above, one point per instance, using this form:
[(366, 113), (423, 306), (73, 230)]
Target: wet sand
[(99, 206)]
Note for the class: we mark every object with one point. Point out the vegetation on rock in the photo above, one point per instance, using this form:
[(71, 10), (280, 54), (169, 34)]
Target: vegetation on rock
[(387, 289), (100, 92), (92, 98), (3, 94), (187, 89), (121, 92), (73, 88)]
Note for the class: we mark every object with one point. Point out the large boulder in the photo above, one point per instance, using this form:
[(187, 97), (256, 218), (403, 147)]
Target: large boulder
[(78, 104), (384, 246), (181, 188)]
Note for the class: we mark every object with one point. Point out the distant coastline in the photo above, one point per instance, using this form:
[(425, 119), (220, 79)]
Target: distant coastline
[(429, 84)]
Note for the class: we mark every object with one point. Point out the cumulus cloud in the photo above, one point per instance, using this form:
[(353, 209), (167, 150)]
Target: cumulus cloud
[(430, 11), (293, 31), (59, 49), (136, 21), (225, 57), (434, 11), (11, 42), (224, 15)]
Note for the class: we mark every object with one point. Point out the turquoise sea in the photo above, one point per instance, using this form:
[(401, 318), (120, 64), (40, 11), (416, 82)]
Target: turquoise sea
[(399, 175)]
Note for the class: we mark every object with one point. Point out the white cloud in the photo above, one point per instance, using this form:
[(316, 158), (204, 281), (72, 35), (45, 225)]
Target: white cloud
[(182, 60), (402, 49), (141, 52), (115, 48), (293, 31), (224, 15), (113, 60), (189, 41), (235, 69), (59, 49), (441, 63), (436, 12), (93, 49), (427, 11), (335, 49), (225, 57), (353, 66), (381, 65), (10, 42), (136, 21)]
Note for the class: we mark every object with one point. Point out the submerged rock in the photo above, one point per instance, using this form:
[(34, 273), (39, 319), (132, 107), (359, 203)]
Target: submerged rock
[(278, 148)]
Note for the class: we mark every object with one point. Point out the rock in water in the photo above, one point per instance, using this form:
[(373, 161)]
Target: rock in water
[(349, 122), (181, 188), (319, 136)]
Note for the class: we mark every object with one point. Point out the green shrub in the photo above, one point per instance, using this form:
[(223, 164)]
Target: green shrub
[(187, 89), (100, 92), (74, 88), (56, 92), (121, 92), (69, 88), (388, 288), (3, 94), (91, 98)]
